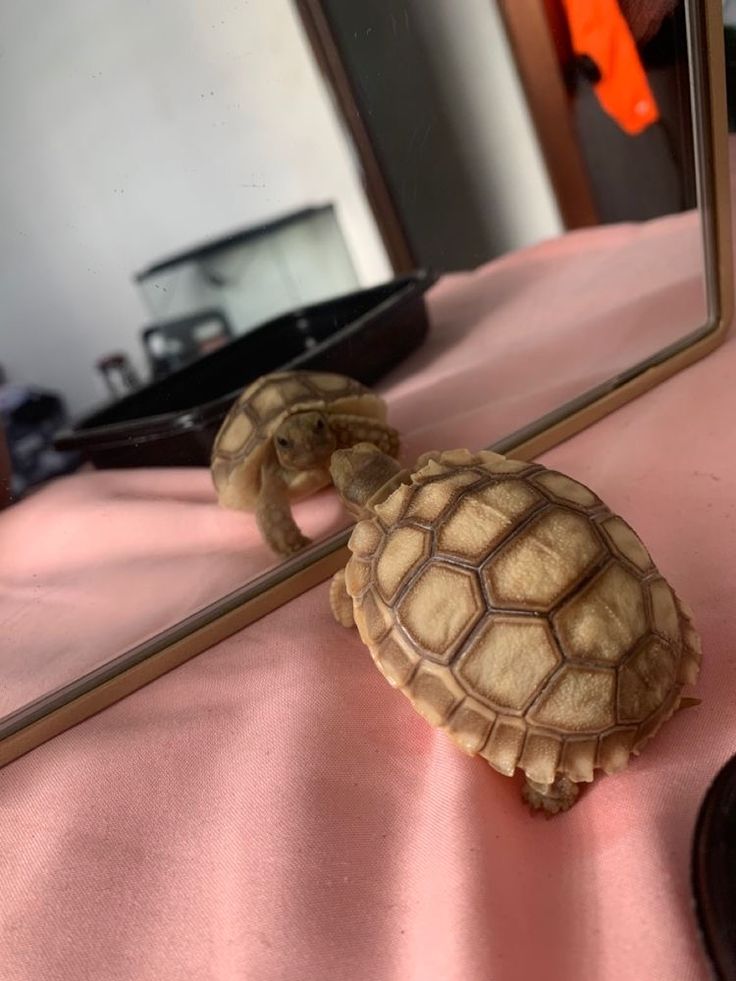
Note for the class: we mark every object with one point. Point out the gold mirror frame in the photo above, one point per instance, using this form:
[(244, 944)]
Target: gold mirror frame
[(50, 715)]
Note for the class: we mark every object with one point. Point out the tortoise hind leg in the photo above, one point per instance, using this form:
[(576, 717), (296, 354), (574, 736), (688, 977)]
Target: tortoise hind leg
[(273, 511), (550, 797), (350, 430)]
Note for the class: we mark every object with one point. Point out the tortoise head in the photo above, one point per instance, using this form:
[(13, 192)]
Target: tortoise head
[(360, 474), (304, 441)]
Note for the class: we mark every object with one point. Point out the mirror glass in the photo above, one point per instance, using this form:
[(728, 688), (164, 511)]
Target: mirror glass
[(188, 187)]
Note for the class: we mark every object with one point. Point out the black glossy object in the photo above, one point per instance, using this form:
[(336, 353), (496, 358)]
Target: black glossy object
[(173, 422), (714, 872)]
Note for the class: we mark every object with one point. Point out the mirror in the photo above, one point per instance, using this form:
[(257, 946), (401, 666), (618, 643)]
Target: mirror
[(184, 186)]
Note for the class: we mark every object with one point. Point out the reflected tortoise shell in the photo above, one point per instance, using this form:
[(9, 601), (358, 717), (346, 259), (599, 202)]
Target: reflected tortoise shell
[(248, 428)]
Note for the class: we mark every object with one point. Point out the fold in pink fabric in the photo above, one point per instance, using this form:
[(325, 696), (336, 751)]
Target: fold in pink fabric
[(273, 811)]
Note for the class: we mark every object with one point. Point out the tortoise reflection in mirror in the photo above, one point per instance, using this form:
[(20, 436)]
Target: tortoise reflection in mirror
[(275, 444)]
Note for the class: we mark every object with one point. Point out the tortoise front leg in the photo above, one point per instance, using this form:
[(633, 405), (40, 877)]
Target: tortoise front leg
[(350, 430), (340, 601), (273, 511)]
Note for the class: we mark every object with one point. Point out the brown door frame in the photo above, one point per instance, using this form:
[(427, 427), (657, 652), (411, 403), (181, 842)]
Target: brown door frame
[(322, 40), (530, 32)]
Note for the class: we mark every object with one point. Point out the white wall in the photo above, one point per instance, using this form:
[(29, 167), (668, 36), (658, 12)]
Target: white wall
[(477, 78), (130, 130)]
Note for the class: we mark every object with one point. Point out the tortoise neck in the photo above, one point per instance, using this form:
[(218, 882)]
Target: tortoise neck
[(376, 480), (364, 476), (399, 476)]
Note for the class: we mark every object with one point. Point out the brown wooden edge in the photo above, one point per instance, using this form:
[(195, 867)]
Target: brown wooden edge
[(381, 201), (225, 625), (535, 54)]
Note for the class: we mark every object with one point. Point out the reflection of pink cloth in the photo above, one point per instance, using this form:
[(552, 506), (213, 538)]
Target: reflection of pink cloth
[(99, 562), (272, 810), (524, 334)]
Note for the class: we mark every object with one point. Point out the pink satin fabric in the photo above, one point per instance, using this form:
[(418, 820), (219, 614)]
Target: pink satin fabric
[(274, 811)]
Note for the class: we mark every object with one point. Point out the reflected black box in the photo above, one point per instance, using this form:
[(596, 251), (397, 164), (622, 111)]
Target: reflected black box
[(173, 422)]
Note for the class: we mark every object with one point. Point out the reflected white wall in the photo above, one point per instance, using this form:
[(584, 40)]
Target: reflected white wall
[(477, 78), (131, 131)]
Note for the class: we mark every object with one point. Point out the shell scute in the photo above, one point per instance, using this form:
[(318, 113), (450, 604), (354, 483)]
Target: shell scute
[(439, 609), (539, 566)]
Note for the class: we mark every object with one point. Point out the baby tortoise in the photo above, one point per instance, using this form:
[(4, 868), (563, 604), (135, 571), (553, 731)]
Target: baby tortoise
[(275, 443), (514, 610)]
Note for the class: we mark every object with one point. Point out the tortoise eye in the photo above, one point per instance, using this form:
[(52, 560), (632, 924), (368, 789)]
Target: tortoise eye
[(320, 425), (282, 441)]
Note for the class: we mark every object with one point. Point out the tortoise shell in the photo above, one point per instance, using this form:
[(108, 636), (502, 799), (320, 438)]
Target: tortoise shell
[(246, 431), (520, 615)]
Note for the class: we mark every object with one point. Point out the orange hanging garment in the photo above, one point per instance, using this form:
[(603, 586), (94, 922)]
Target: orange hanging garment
[(599, 30)]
